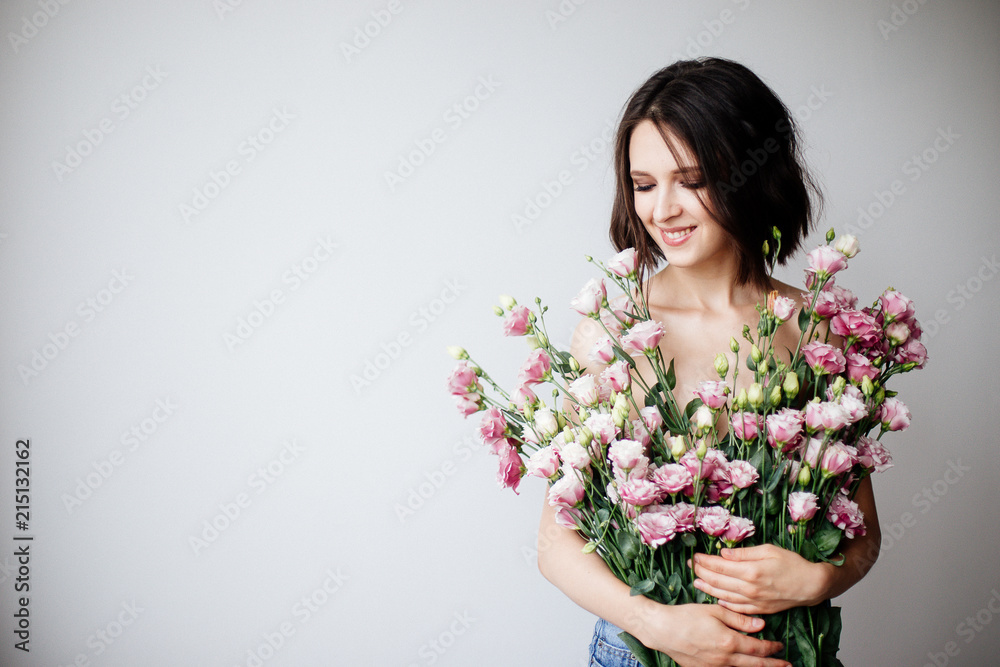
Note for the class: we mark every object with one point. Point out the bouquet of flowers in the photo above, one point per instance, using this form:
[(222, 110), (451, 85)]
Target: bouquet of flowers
[(648, 482)]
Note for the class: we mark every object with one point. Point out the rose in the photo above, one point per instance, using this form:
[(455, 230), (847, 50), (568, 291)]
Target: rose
[(656, 528), (853, 405), (584, 389), (802, 506), (893, 414), (859, 366), (684, 513), (872, 454), (543, 463), (824, 359), (712, 393), (673, 478), (509, 473), (739, 529), (825, 416), (856, 326), (639, 492), (591, 297), (741, 473), (567, 491), (617, 375), (713, 520), (703, 468), (825, 261), (845, 514), (624, 263), (895, 306), (491, 429), (463, 379), (912, 352), (838, 459), (626, 454), (745, 425), (784, 427), (603, 351), (536, 368), (517, 322), (643, 337)]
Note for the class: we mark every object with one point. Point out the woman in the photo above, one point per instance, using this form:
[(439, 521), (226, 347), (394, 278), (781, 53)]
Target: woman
[(707, 164)]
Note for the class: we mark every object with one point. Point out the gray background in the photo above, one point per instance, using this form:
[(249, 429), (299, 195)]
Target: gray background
[(417, 266)]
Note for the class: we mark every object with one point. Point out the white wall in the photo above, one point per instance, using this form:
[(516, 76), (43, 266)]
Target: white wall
[(331, 126)]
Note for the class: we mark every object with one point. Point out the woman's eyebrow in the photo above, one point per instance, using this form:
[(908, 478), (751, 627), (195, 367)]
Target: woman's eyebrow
[(679, 170)]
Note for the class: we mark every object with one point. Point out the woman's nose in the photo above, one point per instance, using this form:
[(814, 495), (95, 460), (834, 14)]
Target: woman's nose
[(666, 205)]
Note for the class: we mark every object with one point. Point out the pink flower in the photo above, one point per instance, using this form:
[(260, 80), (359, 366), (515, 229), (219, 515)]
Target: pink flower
[(568, 517), (673, 478), (492, 429), (845, 298), (509, 474), (858, 367), (516, 323), (897, 333), (746, 425), (913, 351), (590, 299), (640, 432), (617, 375), (684, 513), (624, 263), (847, 244), (463, 379), (567, 491), (584, 389), (642, 337), (781, 307), (823, 358), (603, 427), (713, 520), (651, 417), (704, 468), (856, 326), (603, 351), (844, 514), (894, 415), (825, 261), (469, 404), (872, 454), (895, 306), (627, 454), (656, 528), (739, 529), (838, 459), (825, 416), (741, 474), (784, 427), (802, 506), (639, 492), (811, 455), (535, 368), (854, 405), (712, 393), (826, 304), (545, 423), (543, 463)]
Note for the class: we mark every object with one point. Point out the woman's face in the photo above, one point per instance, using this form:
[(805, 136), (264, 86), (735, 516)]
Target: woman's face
[(667, 201)]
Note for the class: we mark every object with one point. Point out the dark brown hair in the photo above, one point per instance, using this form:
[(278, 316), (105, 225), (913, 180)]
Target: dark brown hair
[(746, 144)]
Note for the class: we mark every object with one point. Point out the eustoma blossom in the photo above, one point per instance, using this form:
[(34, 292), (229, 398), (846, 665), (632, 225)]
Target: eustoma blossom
[(774, 459)]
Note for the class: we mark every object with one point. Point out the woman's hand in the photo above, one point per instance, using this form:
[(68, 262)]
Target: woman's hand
[(762, 580), (706, 635)]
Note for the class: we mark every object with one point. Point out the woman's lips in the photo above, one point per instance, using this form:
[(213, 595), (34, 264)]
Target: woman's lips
[(676, 236)]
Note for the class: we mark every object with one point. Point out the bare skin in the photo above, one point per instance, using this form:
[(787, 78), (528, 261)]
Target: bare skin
[(700, 306)]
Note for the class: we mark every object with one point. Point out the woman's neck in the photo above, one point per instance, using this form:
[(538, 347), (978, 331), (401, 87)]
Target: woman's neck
[(704, 288)]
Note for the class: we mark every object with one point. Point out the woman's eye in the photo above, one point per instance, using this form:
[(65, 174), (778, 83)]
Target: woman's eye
[(642, 188), (693, 185)]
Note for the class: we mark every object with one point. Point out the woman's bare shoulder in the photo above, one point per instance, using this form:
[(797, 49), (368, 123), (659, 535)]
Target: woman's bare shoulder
[(585, 336)]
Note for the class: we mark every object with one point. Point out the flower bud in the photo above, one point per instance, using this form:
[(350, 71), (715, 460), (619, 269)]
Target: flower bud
[(532, 342), (830, 235), (585, 436), (776, 233), (804, 475), (867, 386), (589, 547), (702, 449), (561, 420), (766, 247), (703, 419), (755, 395), (880, 396), (458, 352), (528, 411), (721, 365), (741, 399), (847, 245), (791, 385), (678, 446), (734, 345), (756, 354), (498, 311), (775, 398), (574, 364), (543, 340), (507, 301), (838, 385)]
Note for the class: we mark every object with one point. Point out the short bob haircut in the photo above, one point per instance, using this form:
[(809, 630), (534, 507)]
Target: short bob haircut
[(745, 142)]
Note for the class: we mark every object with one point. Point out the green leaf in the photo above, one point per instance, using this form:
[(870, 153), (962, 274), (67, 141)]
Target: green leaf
[(803, 641), (692, 406), (751, 364), (643, 587), (827, 538), (646, 657), (629, 545), (653, 397), (777, 474), (603, 515), (671, 377), (803, 319), (689, 540)]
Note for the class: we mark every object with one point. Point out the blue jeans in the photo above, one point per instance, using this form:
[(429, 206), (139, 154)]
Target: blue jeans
[(607, 649)]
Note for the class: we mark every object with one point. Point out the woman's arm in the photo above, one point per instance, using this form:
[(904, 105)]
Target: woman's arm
[(695, 635), (767, 579)]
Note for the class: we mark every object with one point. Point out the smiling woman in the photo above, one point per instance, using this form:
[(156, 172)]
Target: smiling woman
[(708, 170)]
